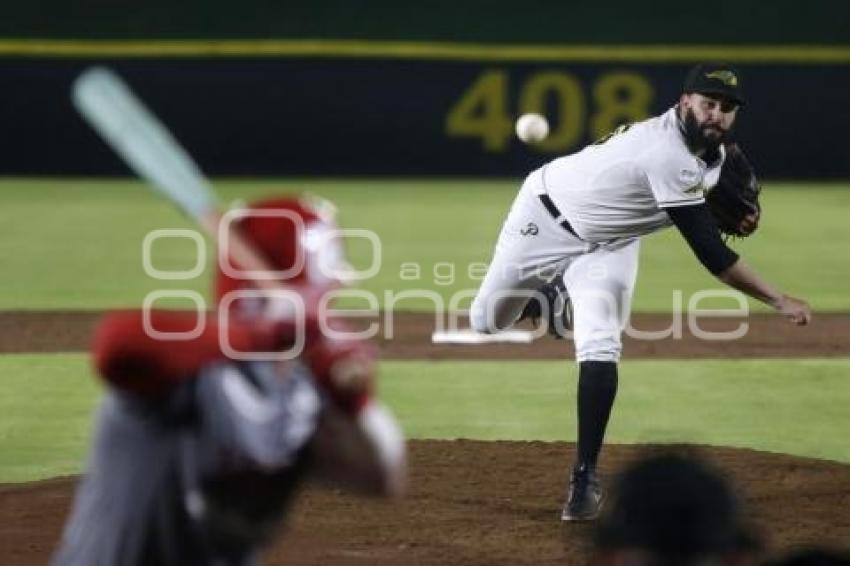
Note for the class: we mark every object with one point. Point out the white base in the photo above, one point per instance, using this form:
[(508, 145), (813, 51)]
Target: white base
[(471, 337)]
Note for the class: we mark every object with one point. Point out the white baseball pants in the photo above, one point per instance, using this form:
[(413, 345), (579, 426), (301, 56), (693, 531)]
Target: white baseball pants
[(531, 249)]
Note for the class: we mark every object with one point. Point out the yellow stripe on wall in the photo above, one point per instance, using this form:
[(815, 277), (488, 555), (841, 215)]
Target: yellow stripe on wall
[(47, 48)]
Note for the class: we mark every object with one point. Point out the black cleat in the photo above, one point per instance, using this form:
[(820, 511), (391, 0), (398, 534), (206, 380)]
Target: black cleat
[(585, 500), (560, 308)]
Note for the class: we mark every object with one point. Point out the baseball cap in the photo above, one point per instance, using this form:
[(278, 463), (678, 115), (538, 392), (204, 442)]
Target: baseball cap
[(715, 78), (294, 234)]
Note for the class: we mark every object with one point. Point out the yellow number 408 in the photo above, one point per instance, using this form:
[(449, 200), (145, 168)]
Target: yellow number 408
[(482, 111)]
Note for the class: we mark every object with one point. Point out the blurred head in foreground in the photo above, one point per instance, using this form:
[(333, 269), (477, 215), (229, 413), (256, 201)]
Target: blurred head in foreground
[(815, 557), (670, 510)]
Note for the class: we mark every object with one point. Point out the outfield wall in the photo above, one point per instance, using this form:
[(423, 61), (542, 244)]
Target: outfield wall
[(339, 107)]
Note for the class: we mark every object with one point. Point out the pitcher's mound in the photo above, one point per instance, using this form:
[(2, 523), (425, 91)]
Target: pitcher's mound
[(474, 502)]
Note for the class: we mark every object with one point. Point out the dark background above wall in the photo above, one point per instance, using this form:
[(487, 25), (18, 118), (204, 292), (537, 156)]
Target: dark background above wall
[(666, 21)]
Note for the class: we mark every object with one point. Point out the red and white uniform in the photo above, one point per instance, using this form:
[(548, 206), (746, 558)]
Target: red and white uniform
[(195, 456)]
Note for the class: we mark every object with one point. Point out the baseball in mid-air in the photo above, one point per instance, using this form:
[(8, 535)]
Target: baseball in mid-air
[(532, 128)]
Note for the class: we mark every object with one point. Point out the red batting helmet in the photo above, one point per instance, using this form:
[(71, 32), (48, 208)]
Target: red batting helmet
[(297, 235)]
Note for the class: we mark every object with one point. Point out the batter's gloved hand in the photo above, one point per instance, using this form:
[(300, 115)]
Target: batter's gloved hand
[(734, 201), (344, 367)]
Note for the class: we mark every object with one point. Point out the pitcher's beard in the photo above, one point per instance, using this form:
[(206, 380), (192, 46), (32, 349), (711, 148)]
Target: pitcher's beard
[(696, 137)]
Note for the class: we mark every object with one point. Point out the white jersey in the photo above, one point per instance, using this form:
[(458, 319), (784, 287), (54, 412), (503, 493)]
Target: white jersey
[(619, 188)]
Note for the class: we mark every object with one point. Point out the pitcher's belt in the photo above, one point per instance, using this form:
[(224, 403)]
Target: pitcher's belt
[(556, 214)]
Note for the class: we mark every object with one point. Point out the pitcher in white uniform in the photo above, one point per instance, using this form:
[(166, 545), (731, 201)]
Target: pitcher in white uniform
[(574, 231)]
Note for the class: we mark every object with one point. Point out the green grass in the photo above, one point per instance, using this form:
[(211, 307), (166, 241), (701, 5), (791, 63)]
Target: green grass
[(47, 406), (791, 406), (77, 244)]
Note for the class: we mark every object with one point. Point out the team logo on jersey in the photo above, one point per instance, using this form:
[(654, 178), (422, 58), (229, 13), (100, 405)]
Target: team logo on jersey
[(726, 77), (530, 230)]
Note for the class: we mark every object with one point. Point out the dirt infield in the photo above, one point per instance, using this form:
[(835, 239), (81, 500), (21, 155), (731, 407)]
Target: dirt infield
[(480, 503), (767, 336)]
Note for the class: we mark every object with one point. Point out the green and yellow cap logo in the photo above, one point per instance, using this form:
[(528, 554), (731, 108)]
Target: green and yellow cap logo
[(726, 77)]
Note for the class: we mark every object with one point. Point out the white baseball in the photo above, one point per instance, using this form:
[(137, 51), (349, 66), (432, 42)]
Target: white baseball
[(532, 128)]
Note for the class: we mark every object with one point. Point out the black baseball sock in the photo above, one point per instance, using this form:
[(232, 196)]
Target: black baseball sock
[(597, 387)]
